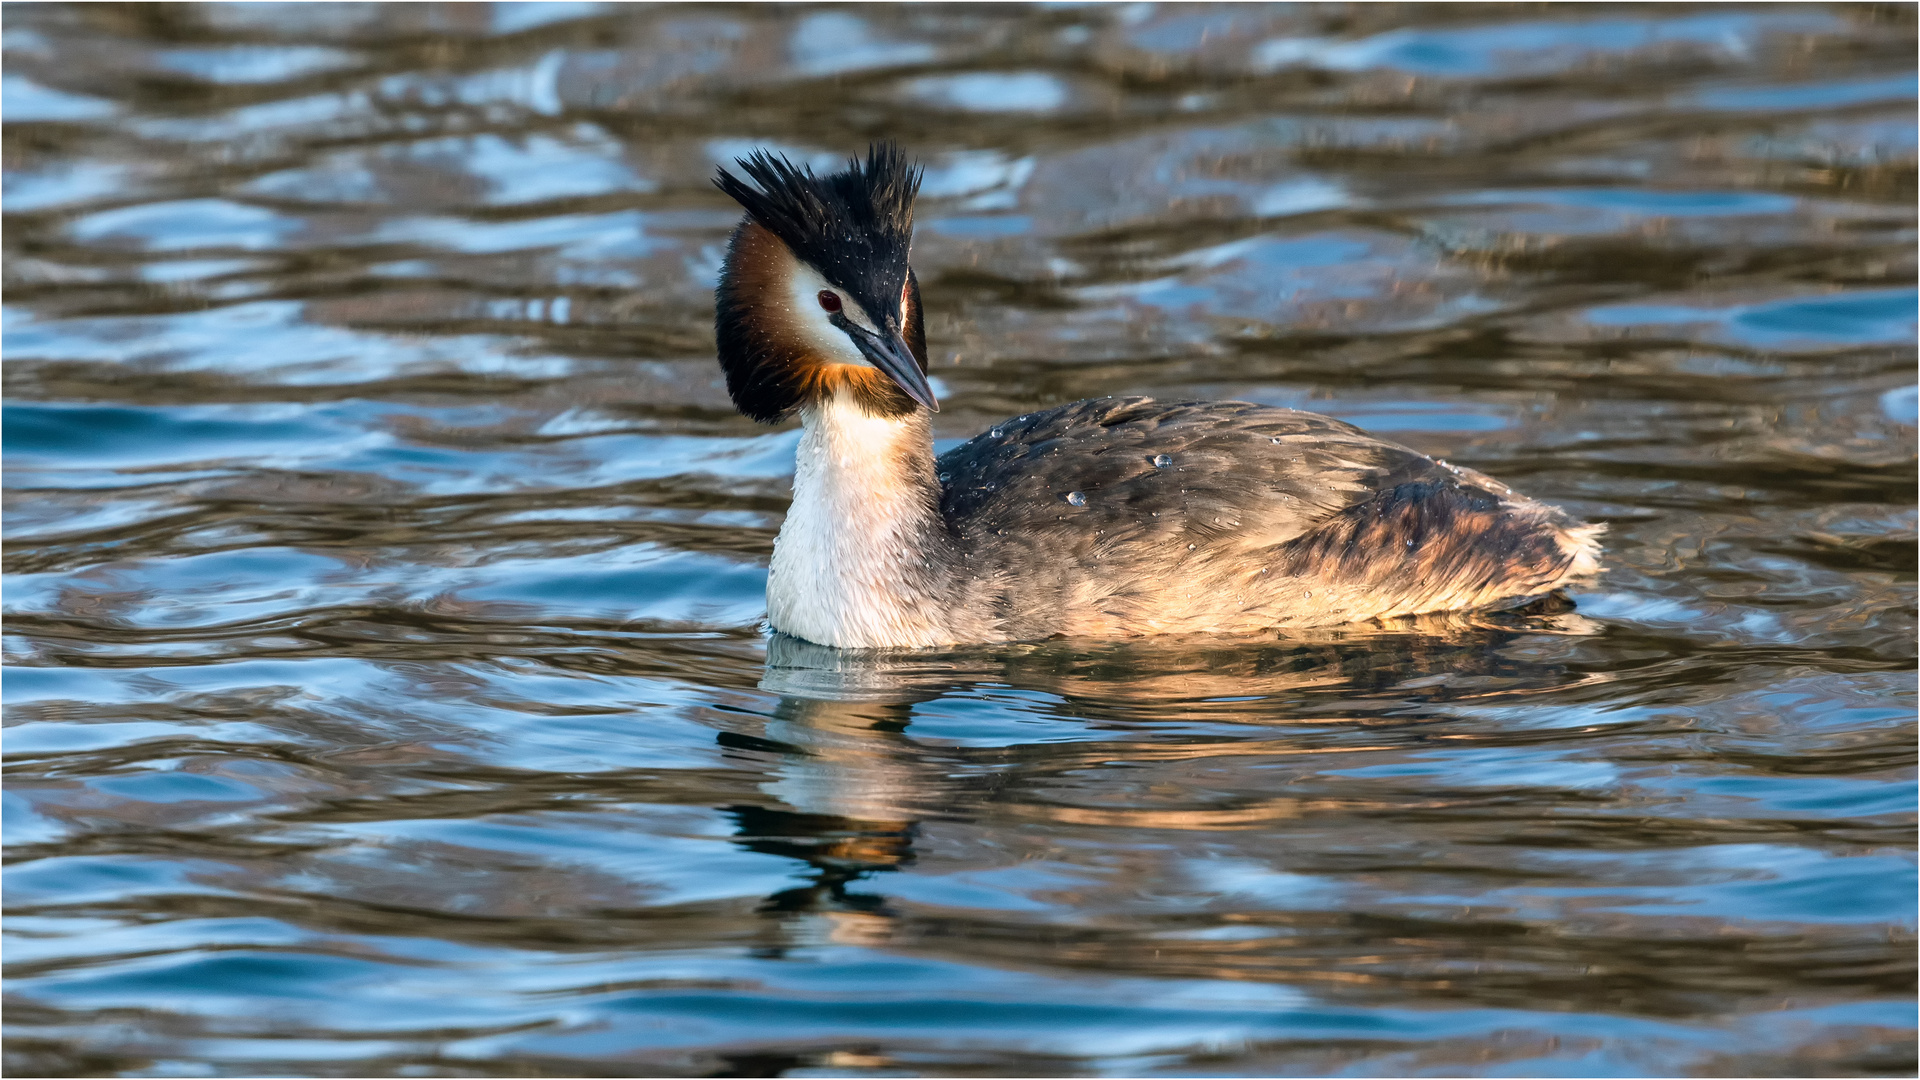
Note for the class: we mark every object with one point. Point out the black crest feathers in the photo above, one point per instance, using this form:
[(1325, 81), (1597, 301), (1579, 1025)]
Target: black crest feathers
[(854, 226)]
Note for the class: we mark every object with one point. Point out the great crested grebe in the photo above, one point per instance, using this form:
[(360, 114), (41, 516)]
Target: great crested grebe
[(1111, 517)]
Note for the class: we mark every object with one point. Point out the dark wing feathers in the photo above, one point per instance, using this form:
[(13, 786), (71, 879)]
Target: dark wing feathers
[(1256, 472), (1124, 515)]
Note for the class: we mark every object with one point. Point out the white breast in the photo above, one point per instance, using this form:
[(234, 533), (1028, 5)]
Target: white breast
[(853, 543)]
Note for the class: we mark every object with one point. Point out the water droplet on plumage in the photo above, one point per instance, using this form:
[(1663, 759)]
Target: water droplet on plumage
[(1161, 461), (995, 433), (1077, 498), (944, 477), (1189, 547)]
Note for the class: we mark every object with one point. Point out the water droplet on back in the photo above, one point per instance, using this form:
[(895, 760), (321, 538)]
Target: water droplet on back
[(1161, 461), (1077, 498)]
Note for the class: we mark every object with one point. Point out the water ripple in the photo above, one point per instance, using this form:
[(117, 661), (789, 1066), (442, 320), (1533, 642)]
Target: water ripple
[(387, 690)]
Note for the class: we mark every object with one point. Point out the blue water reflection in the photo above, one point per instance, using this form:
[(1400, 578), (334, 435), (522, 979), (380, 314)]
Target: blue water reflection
[(1535, 47), (1856, 318), (387, 692)]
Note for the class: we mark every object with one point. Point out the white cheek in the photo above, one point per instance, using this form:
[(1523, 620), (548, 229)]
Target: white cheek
[(829, 341)]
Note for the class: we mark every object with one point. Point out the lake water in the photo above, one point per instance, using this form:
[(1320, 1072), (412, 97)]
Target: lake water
[(388, 691)]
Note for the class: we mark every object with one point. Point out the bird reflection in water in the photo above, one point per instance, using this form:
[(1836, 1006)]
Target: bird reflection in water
[(852, 787), (848, 776)]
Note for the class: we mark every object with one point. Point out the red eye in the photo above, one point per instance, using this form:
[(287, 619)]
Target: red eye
[(829, 299)]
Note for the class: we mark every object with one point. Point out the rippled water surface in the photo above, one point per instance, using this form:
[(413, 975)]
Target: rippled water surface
[(388, 693)]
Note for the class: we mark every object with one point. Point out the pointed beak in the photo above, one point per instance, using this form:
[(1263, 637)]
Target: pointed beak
[(890, 354)]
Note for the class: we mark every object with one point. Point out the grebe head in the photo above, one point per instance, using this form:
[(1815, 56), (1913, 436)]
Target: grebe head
[(816, 296)]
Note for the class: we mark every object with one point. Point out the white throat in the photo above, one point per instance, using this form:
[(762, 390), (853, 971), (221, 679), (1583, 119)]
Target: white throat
[(852, 567)]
